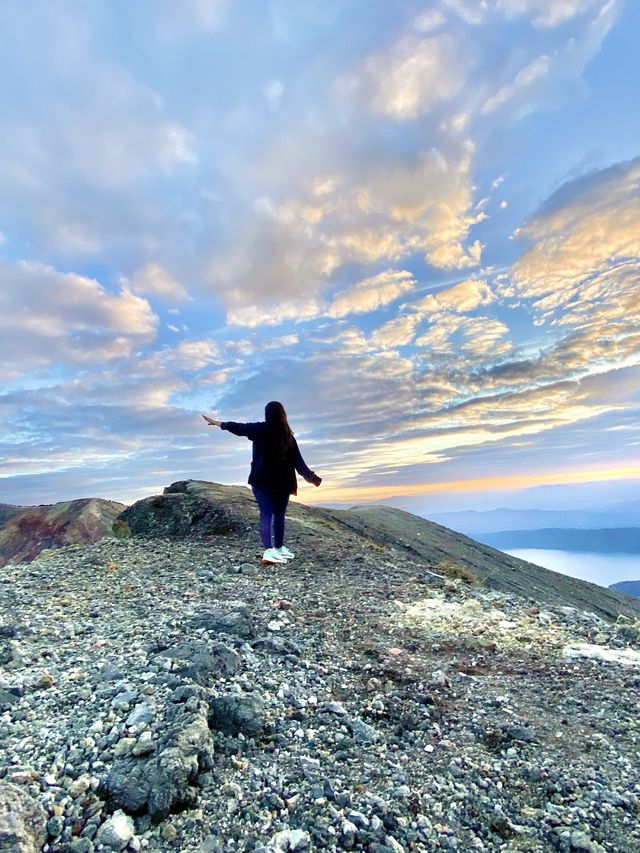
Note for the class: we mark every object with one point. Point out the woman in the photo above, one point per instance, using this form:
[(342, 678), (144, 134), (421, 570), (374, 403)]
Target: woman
[(274, 462)]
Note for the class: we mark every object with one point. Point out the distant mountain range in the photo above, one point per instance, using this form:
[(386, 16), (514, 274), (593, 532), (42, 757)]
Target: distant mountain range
[(628, 587), (472, 522), (615, 540)]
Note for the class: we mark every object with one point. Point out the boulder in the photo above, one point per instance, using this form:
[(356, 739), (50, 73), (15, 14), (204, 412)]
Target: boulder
[(165, 780), (235, 713), (23, 821), (202, 662), (229, 617), (186, 508)]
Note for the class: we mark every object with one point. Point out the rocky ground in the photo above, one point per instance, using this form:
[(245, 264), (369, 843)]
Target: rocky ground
[(178, 695)]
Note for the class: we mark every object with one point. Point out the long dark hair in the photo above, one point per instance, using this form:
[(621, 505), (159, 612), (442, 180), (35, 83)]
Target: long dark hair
[(281, 436)]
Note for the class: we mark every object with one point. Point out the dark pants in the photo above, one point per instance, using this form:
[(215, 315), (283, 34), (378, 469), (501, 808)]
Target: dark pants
[(273, 506)]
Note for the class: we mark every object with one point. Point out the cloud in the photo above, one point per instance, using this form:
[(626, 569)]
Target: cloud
[(252, 316), (47, 316), (537, 70), (428, 21), (465, 296), (273, 92), (372, 293), (381, 212), (396, 332), (171, 23), (583, 264), (153, 280), (167, 163), (472, 12), (545, 13), (412, 76)]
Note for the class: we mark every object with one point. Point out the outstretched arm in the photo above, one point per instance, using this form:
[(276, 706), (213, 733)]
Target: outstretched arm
[(211, 421), (251, 430), (301, 466)]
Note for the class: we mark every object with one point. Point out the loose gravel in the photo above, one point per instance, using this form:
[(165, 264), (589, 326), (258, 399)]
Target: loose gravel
[(177, 695)]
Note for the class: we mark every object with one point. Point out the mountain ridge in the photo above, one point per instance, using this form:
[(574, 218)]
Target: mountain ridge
[(202, 508), (607, 540), (25, 531)]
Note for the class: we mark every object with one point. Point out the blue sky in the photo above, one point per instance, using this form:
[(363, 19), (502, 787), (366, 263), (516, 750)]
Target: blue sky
[(416, 224)]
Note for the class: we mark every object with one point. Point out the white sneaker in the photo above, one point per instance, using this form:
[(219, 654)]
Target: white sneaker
[(272, 556), (285, 552)]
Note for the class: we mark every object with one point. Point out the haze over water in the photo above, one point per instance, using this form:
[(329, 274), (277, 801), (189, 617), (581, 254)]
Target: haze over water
[(603, 569)]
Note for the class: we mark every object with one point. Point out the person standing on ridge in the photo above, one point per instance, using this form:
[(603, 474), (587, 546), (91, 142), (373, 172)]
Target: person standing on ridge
[(274, 461)]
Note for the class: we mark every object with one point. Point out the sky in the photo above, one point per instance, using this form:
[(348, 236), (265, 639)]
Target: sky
[(415, 224)]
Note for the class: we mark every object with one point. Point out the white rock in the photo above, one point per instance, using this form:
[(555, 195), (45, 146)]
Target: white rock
[(116, 832), (627, 657)]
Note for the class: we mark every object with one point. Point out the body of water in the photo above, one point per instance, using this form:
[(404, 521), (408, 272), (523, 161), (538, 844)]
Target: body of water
[(603, 569)]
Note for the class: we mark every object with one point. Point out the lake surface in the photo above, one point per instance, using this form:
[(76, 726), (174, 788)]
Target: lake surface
[(603, 569)]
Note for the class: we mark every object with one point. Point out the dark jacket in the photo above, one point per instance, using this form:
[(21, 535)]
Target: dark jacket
[(267, 472)]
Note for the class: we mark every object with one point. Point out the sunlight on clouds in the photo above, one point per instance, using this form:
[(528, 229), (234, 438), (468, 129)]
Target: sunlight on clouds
[(253, 316), (465, 296), (372, 293), (323, 192), (47, 315), (413, 75), (153, 280), (537, 69), (396, 332), (584, 262), (484, 336), (389, 213)]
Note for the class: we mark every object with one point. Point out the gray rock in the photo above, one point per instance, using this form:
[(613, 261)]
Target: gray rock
[(211, 845), (291, 839), (23, 821), (142, 713), (78, 845), (55, 825), (232, 617), (235, 713), (183, 510), (116, 832), (166, 781), (109, 672), (335, 708), (362, 732), (7, 700), (124, 699), (204, 661), (277, 646)]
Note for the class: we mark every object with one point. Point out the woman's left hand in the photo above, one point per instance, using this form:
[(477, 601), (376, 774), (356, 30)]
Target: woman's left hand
[(211, 421)]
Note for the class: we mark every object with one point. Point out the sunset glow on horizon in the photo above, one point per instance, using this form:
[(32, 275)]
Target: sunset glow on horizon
[(505, 483)]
